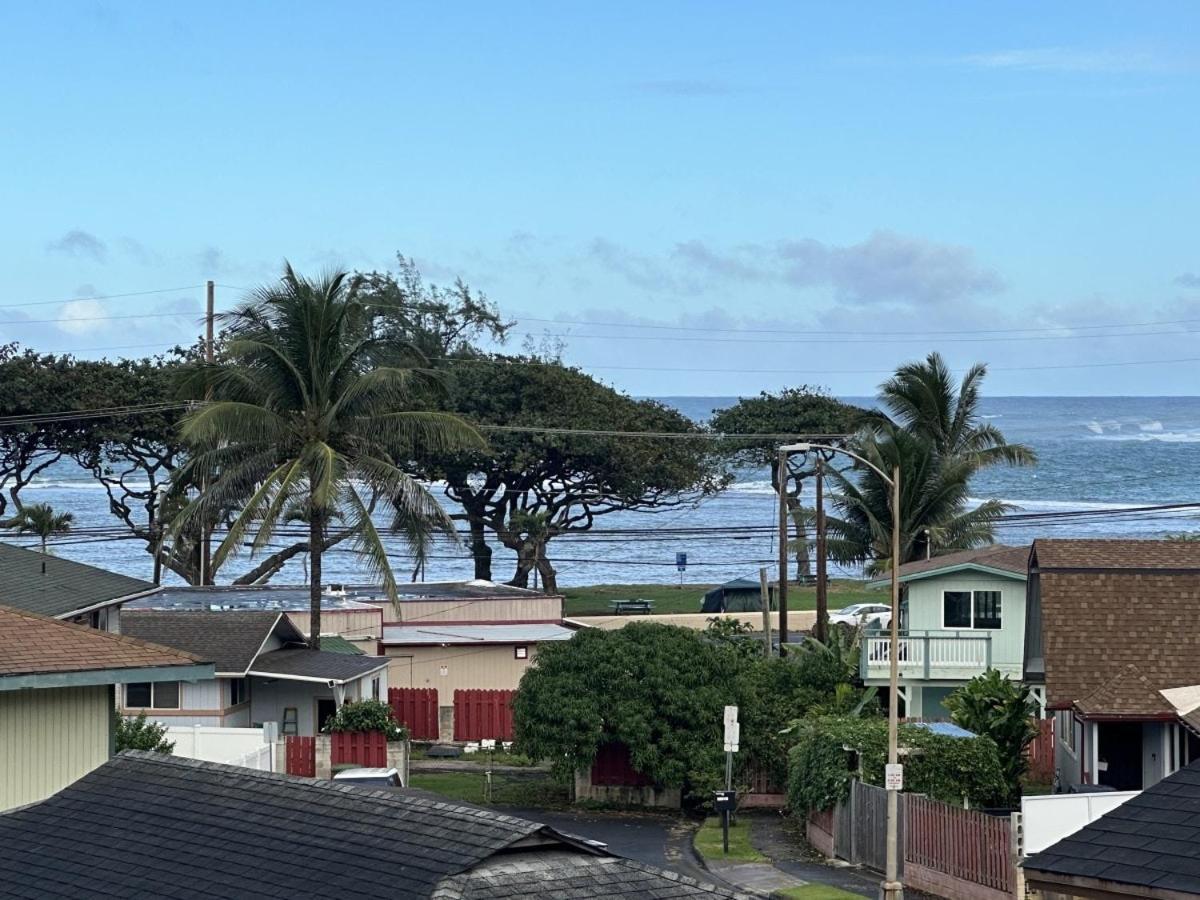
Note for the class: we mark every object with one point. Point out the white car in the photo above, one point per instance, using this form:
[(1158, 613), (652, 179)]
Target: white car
[(859, 613)]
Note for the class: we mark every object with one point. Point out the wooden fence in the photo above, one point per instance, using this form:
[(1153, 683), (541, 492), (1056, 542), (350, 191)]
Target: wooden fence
[(964, 844), (417, 710), (483, 715), (1040, 753), (302, 756), (359, 748)]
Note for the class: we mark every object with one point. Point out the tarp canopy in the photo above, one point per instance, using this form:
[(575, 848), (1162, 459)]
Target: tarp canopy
[(739, 595)]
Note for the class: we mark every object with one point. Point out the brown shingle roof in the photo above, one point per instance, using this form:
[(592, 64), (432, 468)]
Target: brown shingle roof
[(1117, 554), (35, 645), (1128, 693), (996, 556)]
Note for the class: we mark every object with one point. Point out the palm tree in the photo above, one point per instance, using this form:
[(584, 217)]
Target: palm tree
[(931, 429), (310, 416), (42, 520)]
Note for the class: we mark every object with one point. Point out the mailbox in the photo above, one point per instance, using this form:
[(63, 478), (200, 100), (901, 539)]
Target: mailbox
[(725, 801)]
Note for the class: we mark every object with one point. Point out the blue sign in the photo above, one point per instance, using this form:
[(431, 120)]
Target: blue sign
[(681, 561)]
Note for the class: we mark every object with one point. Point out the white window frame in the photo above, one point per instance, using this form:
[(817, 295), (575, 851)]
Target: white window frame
[(153, 692), (972, 592), (376, 688), (521, 651)]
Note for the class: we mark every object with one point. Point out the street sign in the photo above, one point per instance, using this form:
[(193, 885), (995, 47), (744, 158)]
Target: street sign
[(733, 734), (730, 715), (893, 777), (681, 561)]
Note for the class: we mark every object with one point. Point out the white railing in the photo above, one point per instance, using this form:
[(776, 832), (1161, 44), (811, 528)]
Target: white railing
[(259, 758), (923, 653)]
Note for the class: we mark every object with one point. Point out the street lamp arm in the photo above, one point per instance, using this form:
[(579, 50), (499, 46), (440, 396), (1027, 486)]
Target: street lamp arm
[(804, 448)]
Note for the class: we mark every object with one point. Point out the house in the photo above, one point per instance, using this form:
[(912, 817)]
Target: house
[(960, 614), (57, 683), (66, 590), (152, 825), (1149, 846), (1112, 636), (264, 672)]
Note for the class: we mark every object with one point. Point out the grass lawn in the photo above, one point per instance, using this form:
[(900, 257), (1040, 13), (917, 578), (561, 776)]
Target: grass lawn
[(816, 892), (535, 790), (593, 600), (709, 844)]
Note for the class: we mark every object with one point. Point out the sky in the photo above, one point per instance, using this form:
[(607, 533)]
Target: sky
[(691, 198)]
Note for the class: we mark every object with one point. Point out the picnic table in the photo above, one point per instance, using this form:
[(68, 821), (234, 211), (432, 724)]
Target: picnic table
[(639, 605)]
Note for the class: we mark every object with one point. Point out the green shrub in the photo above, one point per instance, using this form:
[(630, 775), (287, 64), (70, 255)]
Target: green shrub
[(994, 705), (366, 715), (139, 734), (820, 766)]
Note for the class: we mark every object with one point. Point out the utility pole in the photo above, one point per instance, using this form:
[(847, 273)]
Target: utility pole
[(783, 554), (205, 533), (821, 631), (892, 889), (765, 592)]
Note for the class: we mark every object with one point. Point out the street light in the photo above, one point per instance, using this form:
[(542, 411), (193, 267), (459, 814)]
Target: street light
[(891, 889)]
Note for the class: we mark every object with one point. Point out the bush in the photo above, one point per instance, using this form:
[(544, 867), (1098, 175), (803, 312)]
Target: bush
[(366, 715), (1002, 709), (944, 768), (139, 734)]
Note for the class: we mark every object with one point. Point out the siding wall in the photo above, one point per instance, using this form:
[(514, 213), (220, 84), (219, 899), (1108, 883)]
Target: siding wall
[(493, 666), (50, 738), (269, 698), (1008, 643), (531, 609), (352, 624)]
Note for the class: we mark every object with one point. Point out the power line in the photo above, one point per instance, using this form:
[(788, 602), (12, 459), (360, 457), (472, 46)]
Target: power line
[(103, 297), (65, 320)]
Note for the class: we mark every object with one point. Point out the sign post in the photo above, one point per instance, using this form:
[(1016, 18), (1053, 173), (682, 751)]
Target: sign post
[(681, 565), (727, 799)]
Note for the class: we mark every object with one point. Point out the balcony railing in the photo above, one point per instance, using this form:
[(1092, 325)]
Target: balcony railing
[(928, 654)]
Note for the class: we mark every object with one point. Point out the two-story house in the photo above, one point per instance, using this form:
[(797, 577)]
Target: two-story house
[(960, 614)]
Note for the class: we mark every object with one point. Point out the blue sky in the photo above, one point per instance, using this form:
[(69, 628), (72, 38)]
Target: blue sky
[(804, 193)]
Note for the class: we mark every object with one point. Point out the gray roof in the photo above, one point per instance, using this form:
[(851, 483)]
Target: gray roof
[(67, 587), (230, 639), (147, 825), (475, 634), (319, 665), (1151, 841)]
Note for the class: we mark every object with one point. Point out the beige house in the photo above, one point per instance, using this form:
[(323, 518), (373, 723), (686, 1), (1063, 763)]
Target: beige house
[(57, 692)]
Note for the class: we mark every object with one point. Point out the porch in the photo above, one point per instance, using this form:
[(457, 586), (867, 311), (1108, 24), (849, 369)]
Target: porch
[(931, 656)]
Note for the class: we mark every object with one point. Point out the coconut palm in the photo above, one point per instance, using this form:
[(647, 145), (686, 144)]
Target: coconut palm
[(931, 429), (42, 520), (310, 415)]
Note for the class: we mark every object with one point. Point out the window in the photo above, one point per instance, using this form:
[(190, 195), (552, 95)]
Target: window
[(152, 695), (239, 691), (375, 688), (290, 724), (971, 609), (520, 652), (1064, 727)]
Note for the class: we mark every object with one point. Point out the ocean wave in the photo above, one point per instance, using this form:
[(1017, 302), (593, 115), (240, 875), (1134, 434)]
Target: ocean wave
[(1166, 437), (1060, 505), (88, 485), (993, 416), (1151, 426)]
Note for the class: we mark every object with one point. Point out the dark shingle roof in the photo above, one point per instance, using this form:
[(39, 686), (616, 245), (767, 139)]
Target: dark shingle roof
[(230, 639), (66, 588), (305, 663), (560, 874), (1100, 616), (1151, 840), (147, 825), (37, 645)]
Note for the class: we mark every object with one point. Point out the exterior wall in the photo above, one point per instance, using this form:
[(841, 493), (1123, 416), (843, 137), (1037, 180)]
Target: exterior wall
[(269, 698), (621, 795), (1069, 763), (491, 666), (50, 738), (200, 703), (352, 624), (493, 612)]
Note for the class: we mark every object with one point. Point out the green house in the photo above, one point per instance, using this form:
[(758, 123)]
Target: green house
[(960, 614)]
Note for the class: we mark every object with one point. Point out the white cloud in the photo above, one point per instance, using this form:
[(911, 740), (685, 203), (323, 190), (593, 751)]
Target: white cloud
[(82, 316)]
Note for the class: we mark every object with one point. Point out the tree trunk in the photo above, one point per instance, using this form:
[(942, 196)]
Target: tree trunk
[(803, 559), (480, 550), (315, 548), (525, 564), (546, 570)]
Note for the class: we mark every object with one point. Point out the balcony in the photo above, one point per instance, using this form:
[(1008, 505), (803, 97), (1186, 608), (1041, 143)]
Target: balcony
[(928, 655)]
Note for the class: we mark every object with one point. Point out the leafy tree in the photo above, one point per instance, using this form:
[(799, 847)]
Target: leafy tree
[(311, 409), (992, 704), (529, 487), (42, 520), (140, 734), (797, 411), (938, 442), (736, 634), (366, 715)]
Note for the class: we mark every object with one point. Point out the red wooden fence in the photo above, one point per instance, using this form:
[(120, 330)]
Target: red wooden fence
[(417, 710), (359, 748), (613, 766), (483, 715), (958, 842), (1040, 753), (302, 756)]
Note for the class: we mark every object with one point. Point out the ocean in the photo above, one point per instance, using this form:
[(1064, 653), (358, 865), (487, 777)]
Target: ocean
[(1102, 454)]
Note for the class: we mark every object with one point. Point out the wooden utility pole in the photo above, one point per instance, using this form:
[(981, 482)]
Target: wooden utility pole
[(765, 593), (205, 531), (822, 628), (783, 554)]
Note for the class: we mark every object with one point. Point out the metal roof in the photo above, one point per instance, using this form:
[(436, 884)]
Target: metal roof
[(475, 634)]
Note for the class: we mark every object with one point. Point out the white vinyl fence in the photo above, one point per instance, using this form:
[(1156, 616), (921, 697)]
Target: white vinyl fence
[(250, 747), (1050, 818)]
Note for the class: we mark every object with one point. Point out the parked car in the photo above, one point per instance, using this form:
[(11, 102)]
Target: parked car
[(857, 613), (381, 778)]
